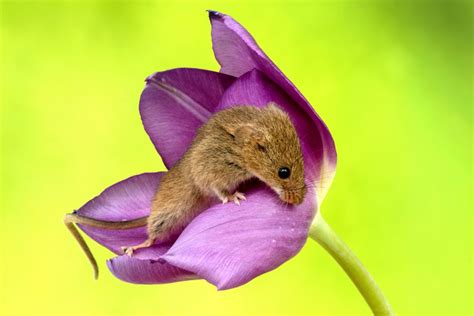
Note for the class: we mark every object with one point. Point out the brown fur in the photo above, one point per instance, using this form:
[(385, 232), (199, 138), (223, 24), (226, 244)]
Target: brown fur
[(236, 144)]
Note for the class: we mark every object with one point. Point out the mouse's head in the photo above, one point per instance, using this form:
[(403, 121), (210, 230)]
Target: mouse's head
[(272, 152)]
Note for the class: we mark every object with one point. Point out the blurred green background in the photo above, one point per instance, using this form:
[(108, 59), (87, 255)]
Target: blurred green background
[(393, 81)]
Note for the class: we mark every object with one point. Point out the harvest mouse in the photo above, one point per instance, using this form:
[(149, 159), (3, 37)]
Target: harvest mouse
[(236, 144)]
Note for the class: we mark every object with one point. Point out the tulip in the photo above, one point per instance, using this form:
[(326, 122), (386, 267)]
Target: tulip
[(227, 245)]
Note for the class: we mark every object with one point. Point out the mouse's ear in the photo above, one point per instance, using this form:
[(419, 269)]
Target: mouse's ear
[(272, 106), (247, 134)]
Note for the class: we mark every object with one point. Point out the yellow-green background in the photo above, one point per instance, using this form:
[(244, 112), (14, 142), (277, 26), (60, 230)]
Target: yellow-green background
[(393, 81)]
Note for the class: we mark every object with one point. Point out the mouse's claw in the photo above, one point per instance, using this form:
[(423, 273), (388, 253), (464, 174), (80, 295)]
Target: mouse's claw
[(127, 250), (237, 197), (240, 195)]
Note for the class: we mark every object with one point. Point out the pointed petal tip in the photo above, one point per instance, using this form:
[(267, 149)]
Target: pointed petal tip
[(151, 76), (215, 14), (108, 263), (224, 286)]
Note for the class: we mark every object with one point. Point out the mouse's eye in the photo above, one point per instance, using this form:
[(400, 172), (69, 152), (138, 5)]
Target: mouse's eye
[(284, 172), (261, 148)]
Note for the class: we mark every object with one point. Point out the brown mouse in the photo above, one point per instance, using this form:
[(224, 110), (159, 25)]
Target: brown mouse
[(236, 144)]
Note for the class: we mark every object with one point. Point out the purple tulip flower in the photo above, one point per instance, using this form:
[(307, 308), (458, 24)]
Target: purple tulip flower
[(228, 245)]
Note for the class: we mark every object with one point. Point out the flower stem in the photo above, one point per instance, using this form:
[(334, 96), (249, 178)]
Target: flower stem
[(321, 232)]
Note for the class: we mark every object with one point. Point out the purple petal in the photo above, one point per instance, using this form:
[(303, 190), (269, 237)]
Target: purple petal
[(229, 245), (130, 199), (147, 271), (126, 200), (238, 53), (175, 103)]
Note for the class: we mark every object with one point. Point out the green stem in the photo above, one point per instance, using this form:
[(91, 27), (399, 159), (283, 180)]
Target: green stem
[(328, 239)]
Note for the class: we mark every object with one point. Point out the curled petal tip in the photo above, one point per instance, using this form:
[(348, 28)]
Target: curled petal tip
[(150, 76), (214, 14)]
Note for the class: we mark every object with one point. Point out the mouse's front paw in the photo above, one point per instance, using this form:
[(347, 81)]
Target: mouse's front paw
[(226, 197), (236, 197)]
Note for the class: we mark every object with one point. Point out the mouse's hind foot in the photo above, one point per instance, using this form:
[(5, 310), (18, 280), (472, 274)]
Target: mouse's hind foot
[(129, 250)]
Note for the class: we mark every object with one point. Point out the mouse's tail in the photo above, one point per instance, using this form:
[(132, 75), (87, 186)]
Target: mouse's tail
[(71, 219)]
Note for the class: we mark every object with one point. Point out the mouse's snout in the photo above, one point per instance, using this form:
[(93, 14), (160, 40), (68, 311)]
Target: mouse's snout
[(293, 196)]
